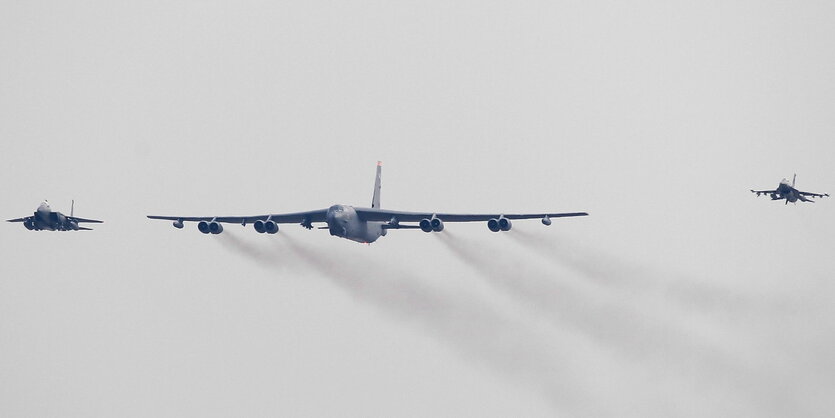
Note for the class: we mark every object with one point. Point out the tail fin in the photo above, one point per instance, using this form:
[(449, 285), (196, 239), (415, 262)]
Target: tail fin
[(72, 207), (794, 179), (375, 200)]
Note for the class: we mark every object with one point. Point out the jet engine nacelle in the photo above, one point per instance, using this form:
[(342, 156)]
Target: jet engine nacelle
[(178, 224), (493, 225), (30, 224), (269, 227), (215, 227), (210, 227), (426, 225), (430, 225), (504, 224), (73, 225), (501, 224)]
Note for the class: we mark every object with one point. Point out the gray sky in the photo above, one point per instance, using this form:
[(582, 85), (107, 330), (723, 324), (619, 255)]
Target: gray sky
[(682, 294)]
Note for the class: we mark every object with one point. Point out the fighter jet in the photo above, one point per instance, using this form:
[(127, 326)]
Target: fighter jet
[(45, 219), (788, 192), (360, 224)]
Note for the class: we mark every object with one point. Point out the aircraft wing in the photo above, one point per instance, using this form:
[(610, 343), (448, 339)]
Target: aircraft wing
[(813, 194), (369, 214), (759, 192), (20, 219), (82, 220), (281, 218)]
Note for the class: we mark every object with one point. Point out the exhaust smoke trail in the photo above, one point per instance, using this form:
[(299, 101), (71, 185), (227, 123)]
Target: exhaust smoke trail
[(613, 340), (610, 270), (263, 257), (627, 321), (472, 327)]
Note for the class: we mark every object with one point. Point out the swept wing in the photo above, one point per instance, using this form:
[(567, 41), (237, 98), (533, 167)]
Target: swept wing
[(282, 218), (370, 214), (813, 194), (20, 219), (82, 220)]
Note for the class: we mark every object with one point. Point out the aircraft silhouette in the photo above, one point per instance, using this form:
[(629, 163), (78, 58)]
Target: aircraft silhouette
[(789, 192), (364, 225), (45, 218)]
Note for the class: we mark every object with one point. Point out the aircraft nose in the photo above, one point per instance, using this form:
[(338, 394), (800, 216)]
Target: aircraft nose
[(332, 216), (335, 220)]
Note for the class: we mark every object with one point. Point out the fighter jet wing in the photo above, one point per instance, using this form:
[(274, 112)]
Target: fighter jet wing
[(20, 219), (813, 194), (82, 220), (759, 192), (369, 214), (281, 218)]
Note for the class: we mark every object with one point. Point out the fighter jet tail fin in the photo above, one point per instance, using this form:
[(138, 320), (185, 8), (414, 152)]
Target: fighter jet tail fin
[(72, 208), (794, 179), (375, 200)]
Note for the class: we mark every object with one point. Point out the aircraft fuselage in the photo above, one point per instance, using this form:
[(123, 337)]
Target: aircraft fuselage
[(44, 219), (785, 191), (344, 222)]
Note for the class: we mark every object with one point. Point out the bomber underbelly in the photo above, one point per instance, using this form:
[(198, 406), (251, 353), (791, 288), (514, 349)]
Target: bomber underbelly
[(364, 232)]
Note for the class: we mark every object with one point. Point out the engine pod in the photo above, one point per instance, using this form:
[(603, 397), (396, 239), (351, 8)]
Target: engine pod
[(203, 227), (493, 225), (270, 227), (215, 227), (504, 224)]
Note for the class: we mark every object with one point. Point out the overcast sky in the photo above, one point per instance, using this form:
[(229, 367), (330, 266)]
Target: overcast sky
[(681, 295)]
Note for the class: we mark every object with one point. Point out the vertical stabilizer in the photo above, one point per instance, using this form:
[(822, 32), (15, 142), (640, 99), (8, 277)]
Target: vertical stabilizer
[(794, 178), (72, 207), (375, 200)]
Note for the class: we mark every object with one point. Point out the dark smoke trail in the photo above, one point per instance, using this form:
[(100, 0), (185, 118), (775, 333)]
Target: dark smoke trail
[(472, 327), (627, 323), (610, 270), (250, 251)]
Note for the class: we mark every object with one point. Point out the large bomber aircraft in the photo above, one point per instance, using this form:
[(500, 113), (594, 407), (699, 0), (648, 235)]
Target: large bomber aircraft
[(45, 219), (788, 192), (364, 225)]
